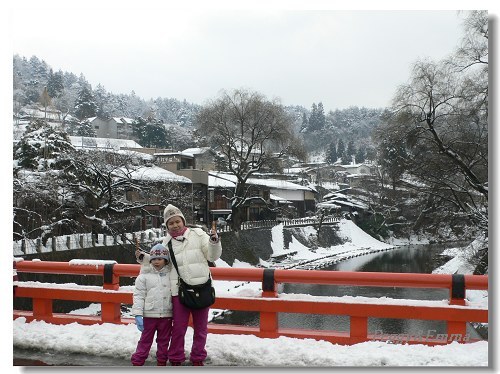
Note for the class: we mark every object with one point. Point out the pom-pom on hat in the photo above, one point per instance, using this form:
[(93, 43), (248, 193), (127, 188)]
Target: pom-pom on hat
[(159, 251), (172, 211)]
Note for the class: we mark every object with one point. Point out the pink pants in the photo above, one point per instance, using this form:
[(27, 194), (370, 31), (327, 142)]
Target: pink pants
[(200, 327), (163, 329)]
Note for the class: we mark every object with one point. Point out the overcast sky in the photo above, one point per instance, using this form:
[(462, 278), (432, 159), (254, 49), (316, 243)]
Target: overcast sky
[(339, 58)]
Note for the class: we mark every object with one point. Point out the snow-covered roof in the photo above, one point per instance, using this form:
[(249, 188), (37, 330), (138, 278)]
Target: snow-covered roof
[(195, 151), (123, 120), (219, 179), (155, 173), (294, 170), (279, 199), (328, 205), (278, 184), (174, 154), (89, 142), (215, 181)]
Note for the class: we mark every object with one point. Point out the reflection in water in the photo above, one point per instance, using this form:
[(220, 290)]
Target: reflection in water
[(410, 259)]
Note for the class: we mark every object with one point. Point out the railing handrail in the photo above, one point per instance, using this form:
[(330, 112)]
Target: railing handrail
[(353, 278), (456, 314)]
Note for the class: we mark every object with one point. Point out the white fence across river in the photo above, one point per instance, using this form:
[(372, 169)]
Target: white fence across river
[(88, 240)]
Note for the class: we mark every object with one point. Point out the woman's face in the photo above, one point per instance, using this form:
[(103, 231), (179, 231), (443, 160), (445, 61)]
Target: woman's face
[(175, 224)]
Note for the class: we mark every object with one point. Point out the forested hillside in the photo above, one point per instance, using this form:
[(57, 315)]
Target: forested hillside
[(74, 95)]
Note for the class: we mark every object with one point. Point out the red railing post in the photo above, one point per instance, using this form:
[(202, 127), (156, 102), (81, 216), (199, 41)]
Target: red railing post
[(359, 328), (269, 320), (42, 309), (110, 312)]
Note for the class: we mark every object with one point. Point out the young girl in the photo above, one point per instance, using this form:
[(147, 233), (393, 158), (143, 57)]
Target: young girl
[(152, 307), (192, 248)]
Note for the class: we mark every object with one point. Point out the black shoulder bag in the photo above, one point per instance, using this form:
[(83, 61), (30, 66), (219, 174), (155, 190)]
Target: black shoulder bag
[(193, 296)]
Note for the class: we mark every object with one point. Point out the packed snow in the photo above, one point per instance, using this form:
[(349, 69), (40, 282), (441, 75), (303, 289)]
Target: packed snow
[(117, 342)]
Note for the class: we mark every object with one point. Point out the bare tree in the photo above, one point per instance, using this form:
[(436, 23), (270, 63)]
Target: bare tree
[(442, 117), (250, 131), (45, 100)]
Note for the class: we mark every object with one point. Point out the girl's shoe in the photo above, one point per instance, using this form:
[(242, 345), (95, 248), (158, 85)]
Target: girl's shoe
[(175, 363), (198, 363)]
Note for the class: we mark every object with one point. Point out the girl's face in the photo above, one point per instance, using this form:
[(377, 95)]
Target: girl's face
[(158, 263), (175, 224)]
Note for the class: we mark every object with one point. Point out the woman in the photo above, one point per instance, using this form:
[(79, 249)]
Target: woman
[(192, 248)]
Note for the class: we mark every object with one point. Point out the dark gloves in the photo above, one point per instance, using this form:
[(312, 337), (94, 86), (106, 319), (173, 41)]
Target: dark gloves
[(214, 238)]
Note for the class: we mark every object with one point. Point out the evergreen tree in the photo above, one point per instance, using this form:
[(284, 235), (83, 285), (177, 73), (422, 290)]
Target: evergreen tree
[(340, 149), (41, 147), (393, 159), (33, 91), (351, 150), (55, 85), (85, 106), (101, 99), (361, 155), (371, 153), (305, 123), (150, 132), (331, 156), (86, 129), (320, 117), (313, 118)]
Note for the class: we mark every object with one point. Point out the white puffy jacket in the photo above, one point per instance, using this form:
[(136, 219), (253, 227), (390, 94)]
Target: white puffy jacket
[(191, 255), (152, 292)]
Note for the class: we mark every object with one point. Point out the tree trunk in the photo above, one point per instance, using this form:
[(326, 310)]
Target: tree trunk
[(236, 218)]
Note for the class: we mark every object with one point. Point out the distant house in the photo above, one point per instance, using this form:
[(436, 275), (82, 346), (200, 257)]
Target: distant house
[(320, 173), (204, 157), (52, 116), (192, 163), (35, 111), (338, 202), (115, 127), (356, 169), (265, 197), (152, 174)]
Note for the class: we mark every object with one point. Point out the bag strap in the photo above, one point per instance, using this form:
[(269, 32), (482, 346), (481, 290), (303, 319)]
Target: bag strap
[(172, 257)]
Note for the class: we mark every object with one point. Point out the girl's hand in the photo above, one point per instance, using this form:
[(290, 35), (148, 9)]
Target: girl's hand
[(213, 233)]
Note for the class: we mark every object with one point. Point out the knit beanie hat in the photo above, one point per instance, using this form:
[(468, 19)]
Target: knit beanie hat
[(159, 251), (172, 211)]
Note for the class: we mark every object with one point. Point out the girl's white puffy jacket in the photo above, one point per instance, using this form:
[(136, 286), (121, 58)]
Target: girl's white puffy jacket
[(191, 255), (152, 292)]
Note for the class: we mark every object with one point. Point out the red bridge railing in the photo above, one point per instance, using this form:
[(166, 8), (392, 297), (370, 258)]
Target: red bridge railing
[(456, 313)]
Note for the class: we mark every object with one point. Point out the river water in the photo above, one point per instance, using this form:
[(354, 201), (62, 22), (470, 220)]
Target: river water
[(407, 259)]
